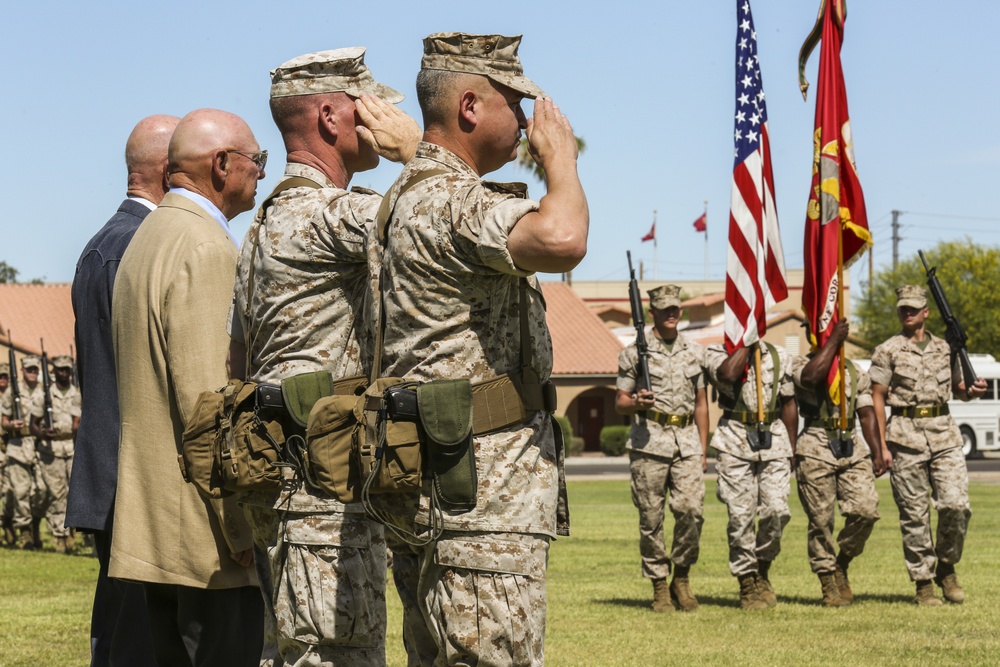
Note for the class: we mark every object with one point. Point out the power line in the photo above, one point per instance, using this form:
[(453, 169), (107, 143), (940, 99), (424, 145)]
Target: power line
[(950, 216)]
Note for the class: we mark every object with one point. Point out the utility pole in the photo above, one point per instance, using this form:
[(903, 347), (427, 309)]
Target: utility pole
[(895, 239)]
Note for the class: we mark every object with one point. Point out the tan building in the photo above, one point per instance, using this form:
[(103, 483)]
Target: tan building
[(585, 363)]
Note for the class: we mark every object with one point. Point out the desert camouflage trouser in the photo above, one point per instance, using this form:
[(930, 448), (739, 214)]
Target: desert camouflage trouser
[(22, 493), (918, 478), (753, 490), (323, 579), (55, 472), (652, 478), (473, 599), (821, 486)]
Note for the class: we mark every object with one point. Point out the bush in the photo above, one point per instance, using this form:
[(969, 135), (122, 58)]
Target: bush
[(576, 448), (613, 440), (564, 426)]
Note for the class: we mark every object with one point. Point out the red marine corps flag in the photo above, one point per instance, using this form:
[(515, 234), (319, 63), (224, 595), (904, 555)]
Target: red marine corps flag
[(755, 267), (836, 222)]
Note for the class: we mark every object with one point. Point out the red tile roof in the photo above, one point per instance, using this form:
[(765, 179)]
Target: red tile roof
[(705, 300), (582, 344), (34, 312)]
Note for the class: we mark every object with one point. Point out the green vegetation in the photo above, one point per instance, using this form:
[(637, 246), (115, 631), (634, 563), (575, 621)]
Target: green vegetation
[(613, 439), (598, 601)]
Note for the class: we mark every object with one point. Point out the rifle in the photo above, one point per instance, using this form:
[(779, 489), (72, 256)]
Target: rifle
[(75, 380), (15, 390), (953, 333), (639, 320), (46, 387)]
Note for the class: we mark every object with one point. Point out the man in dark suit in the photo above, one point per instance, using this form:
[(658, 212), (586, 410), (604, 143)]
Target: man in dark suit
[(119, 629)]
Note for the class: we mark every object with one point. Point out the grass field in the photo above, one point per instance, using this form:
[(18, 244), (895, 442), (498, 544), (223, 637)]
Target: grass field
[(598, 602)]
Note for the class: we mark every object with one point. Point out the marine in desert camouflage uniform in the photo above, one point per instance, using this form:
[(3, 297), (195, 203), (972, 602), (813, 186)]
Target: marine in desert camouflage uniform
[(753, 480), (321, 563), (54, 447), (459, 271), (913, 373), (826, 477), (667, 448), (24, 484), (6, 499)]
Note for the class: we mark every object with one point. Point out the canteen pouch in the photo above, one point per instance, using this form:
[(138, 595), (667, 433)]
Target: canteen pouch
[(388, 452), (330, 433), (249, 446), (445, 408), (198, 446)]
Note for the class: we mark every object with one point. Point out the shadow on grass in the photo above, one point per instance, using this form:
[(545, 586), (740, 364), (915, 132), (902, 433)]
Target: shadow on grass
[(644, 604), (625, 602), (817, 601)]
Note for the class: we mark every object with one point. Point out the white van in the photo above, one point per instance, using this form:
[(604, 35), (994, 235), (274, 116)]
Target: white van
[(979, 419)]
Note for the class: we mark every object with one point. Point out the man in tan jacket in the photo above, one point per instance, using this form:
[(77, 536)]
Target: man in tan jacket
[(169, 312)]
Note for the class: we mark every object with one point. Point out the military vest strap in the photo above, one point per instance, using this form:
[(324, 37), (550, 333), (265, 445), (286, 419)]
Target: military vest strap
[(382, 220), (828, 411), (258, 222), (739, 405)]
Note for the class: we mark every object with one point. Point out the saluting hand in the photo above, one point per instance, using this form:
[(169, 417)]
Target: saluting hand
[(387, 129), (550, 136)]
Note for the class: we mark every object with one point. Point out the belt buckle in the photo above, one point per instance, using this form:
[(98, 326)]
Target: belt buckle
[(924, 412), (673, 420)]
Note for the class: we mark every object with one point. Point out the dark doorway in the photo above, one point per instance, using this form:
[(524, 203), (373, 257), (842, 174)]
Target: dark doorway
[(590, 421)]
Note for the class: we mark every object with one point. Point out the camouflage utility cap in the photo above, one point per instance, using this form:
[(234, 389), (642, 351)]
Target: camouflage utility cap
[(336, 71), (913, 296), (62, 361), (30, 360), (492, 56), (4, 369), (665, 296)]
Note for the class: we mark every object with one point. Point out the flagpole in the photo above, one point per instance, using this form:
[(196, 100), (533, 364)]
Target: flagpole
[(706, 240), (760, 383), (656, 260), (840, 315)]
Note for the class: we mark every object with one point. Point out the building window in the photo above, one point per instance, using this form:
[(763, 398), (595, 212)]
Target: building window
[(792, 343)]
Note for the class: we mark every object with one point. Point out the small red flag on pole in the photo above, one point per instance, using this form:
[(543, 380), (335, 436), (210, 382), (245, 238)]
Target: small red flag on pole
[(701, 224), (651, 236)]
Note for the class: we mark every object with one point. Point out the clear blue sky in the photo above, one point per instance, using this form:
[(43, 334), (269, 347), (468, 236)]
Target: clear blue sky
[(649, 86)]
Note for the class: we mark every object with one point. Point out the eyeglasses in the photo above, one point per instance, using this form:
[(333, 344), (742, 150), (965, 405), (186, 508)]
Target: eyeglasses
[(259, 159)]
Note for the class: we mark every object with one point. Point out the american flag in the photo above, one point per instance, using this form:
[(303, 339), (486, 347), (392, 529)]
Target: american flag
[(755, 267)]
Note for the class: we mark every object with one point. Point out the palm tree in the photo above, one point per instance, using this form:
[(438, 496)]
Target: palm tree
[(525, 161)]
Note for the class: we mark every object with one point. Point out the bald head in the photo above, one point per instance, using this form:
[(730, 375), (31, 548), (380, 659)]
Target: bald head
[(146, 156), (209, 154), (203, 132)]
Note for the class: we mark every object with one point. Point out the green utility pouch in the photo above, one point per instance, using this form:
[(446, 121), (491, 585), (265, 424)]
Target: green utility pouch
[(300, 393), (446, 416)]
